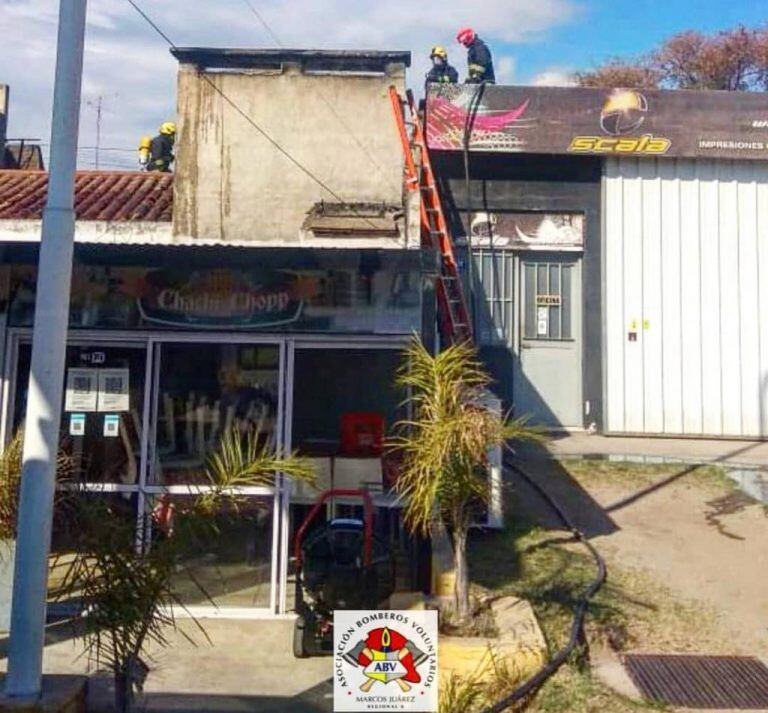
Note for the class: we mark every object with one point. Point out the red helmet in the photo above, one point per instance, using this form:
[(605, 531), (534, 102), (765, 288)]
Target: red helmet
[(466, 36)]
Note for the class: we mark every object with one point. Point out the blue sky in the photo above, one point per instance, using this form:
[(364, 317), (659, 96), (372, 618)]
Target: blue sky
[(534, 41), (603, 28)]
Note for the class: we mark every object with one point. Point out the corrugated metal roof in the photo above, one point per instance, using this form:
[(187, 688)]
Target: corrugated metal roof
[(99, 195)]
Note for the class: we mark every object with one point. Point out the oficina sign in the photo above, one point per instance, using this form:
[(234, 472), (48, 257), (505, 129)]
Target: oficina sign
[(219, 299)]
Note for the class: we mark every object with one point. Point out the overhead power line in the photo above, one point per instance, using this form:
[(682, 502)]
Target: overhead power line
[(243, 113), (263, 22), (324, 99)]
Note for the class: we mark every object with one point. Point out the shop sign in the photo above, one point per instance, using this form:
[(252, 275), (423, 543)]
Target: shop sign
[(527, 230), (600, 122), (219, 299), (386, 300)]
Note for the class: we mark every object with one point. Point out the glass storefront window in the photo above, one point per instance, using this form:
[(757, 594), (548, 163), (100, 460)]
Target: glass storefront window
[(103, 409), (204, 390), (122, 506), (230, 563)]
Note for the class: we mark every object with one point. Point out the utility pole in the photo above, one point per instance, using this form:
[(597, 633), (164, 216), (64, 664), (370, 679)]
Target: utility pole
[(41, 429)]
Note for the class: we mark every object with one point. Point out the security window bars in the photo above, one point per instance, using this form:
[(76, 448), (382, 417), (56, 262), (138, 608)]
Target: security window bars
[(548, 308)]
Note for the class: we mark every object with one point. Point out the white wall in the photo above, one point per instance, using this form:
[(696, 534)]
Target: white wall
[(686, 261)]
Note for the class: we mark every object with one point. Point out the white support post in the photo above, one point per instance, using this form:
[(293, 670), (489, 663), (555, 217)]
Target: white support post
[(41, 430)]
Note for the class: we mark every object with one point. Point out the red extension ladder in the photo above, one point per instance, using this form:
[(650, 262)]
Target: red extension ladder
[(453, 315)]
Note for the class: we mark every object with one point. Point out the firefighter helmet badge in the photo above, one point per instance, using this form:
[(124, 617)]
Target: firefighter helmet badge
[(385, 660), (386, 656)]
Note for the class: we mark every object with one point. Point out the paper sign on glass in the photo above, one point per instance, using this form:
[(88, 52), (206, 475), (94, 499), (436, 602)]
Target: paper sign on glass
[(77, 424), (82, 390), (111, 426), (114, 392)]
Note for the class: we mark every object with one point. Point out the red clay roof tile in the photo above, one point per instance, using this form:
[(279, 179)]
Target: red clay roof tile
[(99, 195)]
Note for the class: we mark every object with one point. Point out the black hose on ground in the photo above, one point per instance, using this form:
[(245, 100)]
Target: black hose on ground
[(533, 683)]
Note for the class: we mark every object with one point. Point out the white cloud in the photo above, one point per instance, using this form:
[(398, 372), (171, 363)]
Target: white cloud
[(504, 68), (554, 77), (130, 66)]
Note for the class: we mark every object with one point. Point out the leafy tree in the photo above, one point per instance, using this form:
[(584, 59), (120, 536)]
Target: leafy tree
[(620, 73), (735, 60), (444, 447), (692, 60)]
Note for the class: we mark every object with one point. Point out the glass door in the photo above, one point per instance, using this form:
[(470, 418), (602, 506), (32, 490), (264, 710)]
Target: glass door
[(101, 434), (203, 389)]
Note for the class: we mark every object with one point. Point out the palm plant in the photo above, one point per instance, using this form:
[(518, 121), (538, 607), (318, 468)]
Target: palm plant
[(129, 591), (10, 480), (444, 447)]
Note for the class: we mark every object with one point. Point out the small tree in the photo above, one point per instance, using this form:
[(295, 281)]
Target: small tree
[(735, 59), (444, 446), (620, 73), (129, 591)]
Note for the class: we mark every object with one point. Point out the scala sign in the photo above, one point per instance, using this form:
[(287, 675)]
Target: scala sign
[(579, 120), (220, 299)]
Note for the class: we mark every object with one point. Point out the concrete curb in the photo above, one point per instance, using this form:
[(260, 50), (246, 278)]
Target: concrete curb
[(61, 694), (520, 650)]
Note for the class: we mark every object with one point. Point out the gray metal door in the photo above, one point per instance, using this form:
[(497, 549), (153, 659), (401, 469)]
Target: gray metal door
[(547, 379)]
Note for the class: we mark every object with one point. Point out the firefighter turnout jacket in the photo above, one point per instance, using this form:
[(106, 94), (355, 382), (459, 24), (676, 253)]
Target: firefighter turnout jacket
[(480, 63), (442, 74), (161, 153)]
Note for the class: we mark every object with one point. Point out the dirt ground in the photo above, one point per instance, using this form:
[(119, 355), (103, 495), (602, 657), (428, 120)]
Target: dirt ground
[(688, 529)]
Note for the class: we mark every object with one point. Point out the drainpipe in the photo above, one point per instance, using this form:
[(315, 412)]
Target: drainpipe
[(41, 429)]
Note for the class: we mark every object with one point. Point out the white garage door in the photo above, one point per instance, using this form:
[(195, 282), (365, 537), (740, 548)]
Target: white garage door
[(686, 298)]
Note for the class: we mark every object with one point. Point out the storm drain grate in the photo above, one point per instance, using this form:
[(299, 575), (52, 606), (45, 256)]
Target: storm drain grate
[(700, 681)]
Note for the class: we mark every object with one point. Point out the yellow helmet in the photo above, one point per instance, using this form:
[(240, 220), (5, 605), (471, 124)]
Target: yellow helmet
[(438, 51), (168, 128)]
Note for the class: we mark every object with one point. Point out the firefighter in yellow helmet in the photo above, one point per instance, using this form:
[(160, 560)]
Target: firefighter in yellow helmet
[(160, 149), (441, 72)]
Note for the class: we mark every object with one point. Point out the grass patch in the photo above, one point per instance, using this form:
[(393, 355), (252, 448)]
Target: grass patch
[(631, 611), (635, 475)]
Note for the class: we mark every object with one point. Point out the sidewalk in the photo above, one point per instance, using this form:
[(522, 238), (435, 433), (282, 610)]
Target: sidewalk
[(745, 453), (247, 665)]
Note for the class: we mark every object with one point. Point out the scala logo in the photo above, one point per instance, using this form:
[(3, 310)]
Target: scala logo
[(385, 661), (646, 144), (623, 112)]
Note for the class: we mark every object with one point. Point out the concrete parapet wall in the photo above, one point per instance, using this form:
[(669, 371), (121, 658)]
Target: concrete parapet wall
[(233, 184)]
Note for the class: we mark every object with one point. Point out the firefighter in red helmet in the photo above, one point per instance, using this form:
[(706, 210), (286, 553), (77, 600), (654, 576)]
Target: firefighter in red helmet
[(479, 60)]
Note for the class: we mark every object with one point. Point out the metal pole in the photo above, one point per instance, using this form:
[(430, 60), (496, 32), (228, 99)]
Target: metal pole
[(41, 430)]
